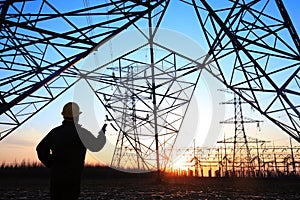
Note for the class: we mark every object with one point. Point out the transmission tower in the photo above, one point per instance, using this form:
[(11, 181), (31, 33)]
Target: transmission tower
[(40, 60), (241, 152), (254, 49), (130, 104)]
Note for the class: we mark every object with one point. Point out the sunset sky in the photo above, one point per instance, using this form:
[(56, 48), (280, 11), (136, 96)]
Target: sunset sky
[(20, 145)]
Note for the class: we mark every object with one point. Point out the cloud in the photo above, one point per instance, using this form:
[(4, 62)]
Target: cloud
[(25, 137), (18, 142)]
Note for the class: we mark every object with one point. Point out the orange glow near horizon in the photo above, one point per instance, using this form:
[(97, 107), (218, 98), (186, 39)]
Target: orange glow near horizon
[(20, 146)]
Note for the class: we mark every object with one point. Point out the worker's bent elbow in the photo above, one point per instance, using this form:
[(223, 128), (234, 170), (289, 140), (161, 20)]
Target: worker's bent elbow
[(92, 143), (98, 144)]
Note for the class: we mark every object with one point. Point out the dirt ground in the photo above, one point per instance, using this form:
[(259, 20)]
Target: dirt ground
[(169, 188)]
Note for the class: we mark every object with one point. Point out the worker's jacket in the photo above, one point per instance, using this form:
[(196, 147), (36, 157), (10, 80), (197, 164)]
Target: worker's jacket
[(63, 150)]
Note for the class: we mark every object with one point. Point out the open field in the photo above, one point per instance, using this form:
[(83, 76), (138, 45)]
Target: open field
[(31, 182), (169, 188)]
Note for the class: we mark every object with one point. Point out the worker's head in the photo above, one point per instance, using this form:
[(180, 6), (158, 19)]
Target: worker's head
[(71, 111)]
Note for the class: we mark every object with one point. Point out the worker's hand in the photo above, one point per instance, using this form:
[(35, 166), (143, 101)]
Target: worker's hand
[(104, 128)]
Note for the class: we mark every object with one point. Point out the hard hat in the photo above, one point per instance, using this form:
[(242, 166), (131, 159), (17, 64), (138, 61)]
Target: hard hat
[(71, 109)]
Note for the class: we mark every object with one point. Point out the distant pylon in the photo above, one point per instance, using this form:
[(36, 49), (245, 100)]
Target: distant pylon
[(240, 140)]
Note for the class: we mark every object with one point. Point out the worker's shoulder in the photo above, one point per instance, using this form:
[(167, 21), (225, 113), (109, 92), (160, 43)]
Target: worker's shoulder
[(53, 130), (69, 127)]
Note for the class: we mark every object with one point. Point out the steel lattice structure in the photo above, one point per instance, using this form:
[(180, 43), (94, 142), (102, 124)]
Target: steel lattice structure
[(240, 140), (130, 104), (38, 57), (253, 49)]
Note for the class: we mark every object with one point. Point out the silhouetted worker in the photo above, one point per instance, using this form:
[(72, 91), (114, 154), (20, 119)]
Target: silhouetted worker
[(63, 150)]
